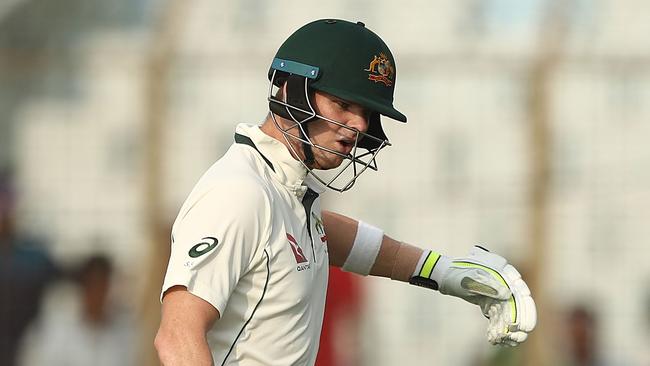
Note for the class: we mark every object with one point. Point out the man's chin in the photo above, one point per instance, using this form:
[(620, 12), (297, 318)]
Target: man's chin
[(329, 165)]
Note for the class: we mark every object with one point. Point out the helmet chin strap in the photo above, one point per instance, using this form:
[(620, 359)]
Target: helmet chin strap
[(306, 148)]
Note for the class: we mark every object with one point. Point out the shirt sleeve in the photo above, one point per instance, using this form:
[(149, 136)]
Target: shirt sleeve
[(217, 239)]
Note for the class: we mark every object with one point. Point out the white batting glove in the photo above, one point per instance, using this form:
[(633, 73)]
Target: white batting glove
[(487, 280)]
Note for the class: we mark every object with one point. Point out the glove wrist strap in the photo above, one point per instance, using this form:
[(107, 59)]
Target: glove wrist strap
[(429, 270)]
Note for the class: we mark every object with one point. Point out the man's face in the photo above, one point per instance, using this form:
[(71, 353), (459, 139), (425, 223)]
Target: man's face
[(332, 136)]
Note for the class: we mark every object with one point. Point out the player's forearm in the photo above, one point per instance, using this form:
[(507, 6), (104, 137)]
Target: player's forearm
[(182, 349), (395, 259), (185, 320)]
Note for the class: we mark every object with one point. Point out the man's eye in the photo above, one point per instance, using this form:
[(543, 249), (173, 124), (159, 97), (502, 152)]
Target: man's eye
[(342, 104)]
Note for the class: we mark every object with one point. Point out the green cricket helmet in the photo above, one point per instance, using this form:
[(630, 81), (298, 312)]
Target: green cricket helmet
[(343, 59)]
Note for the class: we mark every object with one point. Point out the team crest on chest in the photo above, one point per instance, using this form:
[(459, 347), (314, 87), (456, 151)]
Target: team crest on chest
[(381, 70), (319, 228)]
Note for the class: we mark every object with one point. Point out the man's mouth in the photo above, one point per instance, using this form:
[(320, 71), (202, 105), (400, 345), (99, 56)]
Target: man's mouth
[(347, 145)]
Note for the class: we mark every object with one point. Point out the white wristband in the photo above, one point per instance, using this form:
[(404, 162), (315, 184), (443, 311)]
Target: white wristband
[(364, 250)]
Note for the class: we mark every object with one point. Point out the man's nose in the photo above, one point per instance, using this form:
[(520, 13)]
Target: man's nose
[(359, 121)]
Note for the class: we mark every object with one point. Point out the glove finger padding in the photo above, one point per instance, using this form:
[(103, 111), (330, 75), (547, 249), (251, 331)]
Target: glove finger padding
[(523, 310), (499, 331), (516, 337), (519, 311), (498, 324)]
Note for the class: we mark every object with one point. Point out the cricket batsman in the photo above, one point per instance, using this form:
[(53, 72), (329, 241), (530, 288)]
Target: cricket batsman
[(251, 246)]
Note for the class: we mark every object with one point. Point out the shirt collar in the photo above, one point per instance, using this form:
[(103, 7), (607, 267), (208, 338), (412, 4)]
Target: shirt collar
[(287, 170)]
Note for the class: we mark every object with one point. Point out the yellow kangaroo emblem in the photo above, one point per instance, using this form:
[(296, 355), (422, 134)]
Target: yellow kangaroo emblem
[(381, 70)]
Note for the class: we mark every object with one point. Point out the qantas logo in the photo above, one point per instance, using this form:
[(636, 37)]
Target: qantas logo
[(297, 250)]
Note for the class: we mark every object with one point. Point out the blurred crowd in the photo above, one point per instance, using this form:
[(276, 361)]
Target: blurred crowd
[(51, 314)]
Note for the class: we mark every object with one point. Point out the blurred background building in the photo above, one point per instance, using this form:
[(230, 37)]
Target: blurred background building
[(526, 133)]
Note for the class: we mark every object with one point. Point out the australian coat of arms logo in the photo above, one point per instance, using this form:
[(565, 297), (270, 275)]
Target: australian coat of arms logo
[(381, 70)]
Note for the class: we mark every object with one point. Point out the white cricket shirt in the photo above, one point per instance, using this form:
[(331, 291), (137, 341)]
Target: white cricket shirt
[(249, 240)]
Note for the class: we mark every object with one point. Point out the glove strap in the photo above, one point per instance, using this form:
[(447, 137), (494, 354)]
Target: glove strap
[(424, 274)]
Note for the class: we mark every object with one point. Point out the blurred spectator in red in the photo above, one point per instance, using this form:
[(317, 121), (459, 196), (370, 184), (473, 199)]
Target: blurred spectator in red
[(25, 270), (91, 331), (340, 342), (582, 342)]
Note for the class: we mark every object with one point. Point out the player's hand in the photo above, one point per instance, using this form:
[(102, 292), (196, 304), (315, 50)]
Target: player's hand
[(487, 280)]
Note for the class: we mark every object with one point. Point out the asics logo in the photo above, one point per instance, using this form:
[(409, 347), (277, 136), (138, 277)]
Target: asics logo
[(203, 247)]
